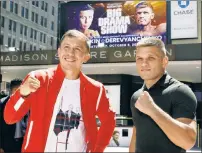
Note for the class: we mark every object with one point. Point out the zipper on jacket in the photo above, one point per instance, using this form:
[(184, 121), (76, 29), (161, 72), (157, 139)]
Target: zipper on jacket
[(29, 134)]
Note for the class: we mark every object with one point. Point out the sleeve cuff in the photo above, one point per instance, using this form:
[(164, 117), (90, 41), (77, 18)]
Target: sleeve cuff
[(19, 102)]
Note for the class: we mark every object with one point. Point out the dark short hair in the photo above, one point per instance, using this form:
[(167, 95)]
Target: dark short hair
[(85, 7), (143, 4), (15, 83), (76, 34)]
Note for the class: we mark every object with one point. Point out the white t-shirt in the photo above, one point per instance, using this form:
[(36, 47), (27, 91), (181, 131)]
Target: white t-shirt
[(67, 132)]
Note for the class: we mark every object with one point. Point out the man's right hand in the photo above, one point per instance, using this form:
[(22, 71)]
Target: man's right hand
[(31, 84), (1, 150)]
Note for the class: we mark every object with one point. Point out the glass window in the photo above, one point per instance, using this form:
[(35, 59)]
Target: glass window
[(26, 13), (33, 2), (11, 6), (35, 34), (46, 7), (30, 48), (36, 18), (2, 21), (1, 39), (16, 8), (41, 20), (25, 31), (44, 38), (9, 41), (31, 33), (51, 42), (32, 16), (20, 46), (45, 22), (42, 5), (34, 47), (22, 11), (25, 46), (13, 44), (37, 3), (53, 10), (41, 36), (4, 4), (52, 25), (14, 26), (10, 25), (21, 29)]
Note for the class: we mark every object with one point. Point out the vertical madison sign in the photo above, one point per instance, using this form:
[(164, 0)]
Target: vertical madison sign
[(48, 57)]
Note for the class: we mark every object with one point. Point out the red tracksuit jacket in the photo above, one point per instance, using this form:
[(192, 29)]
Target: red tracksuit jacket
[(41, 105)]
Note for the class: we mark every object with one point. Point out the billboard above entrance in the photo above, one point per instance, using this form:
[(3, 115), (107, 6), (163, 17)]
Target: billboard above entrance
[(115, 24)]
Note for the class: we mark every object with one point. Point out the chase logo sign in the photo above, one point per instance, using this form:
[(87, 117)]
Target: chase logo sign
[(183, 3)]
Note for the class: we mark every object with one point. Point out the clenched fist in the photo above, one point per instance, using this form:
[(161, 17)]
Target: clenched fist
[(145, 103), (1, 150), (31, 84)]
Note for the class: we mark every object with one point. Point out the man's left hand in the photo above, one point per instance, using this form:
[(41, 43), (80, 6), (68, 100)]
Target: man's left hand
[(145, 103), (1, 150)]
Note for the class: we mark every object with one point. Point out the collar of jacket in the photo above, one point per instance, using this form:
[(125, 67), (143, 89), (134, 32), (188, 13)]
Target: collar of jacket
[(60, 75), (55, 85)]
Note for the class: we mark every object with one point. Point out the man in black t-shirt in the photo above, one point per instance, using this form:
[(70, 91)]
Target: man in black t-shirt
[(164, 109)]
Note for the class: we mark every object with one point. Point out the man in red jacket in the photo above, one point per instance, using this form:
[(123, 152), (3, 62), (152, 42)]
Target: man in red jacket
[(63, 104)]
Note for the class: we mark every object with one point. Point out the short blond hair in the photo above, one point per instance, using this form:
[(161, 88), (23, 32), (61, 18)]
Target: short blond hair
[(152, 41)]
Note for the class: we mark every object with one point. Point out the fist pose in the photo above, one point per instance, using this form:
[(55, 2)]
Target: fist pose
[(31, 84), (145, 103)]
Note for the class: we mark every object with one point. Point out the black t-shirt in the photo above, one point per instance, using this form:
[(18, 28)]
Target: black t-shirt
[(173, 97)]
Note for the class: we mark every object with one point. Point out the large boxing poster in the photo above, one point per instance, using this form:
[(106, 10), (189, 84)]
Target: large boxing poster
[(115, 24)]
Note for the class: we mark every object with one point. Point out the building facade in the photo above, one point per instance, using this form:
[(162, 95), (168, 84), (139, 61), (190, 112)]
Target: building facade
[(28, 25)]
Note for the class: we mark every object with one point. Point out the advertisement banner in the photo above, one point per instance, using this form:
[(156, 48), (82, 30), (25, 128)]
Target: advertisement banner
[(183, 19), (115, 24)]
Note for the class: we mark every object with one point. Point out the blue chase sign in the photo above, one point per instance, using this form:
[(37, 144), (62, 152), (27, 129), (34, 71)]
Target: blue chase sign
[(183, 3)]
